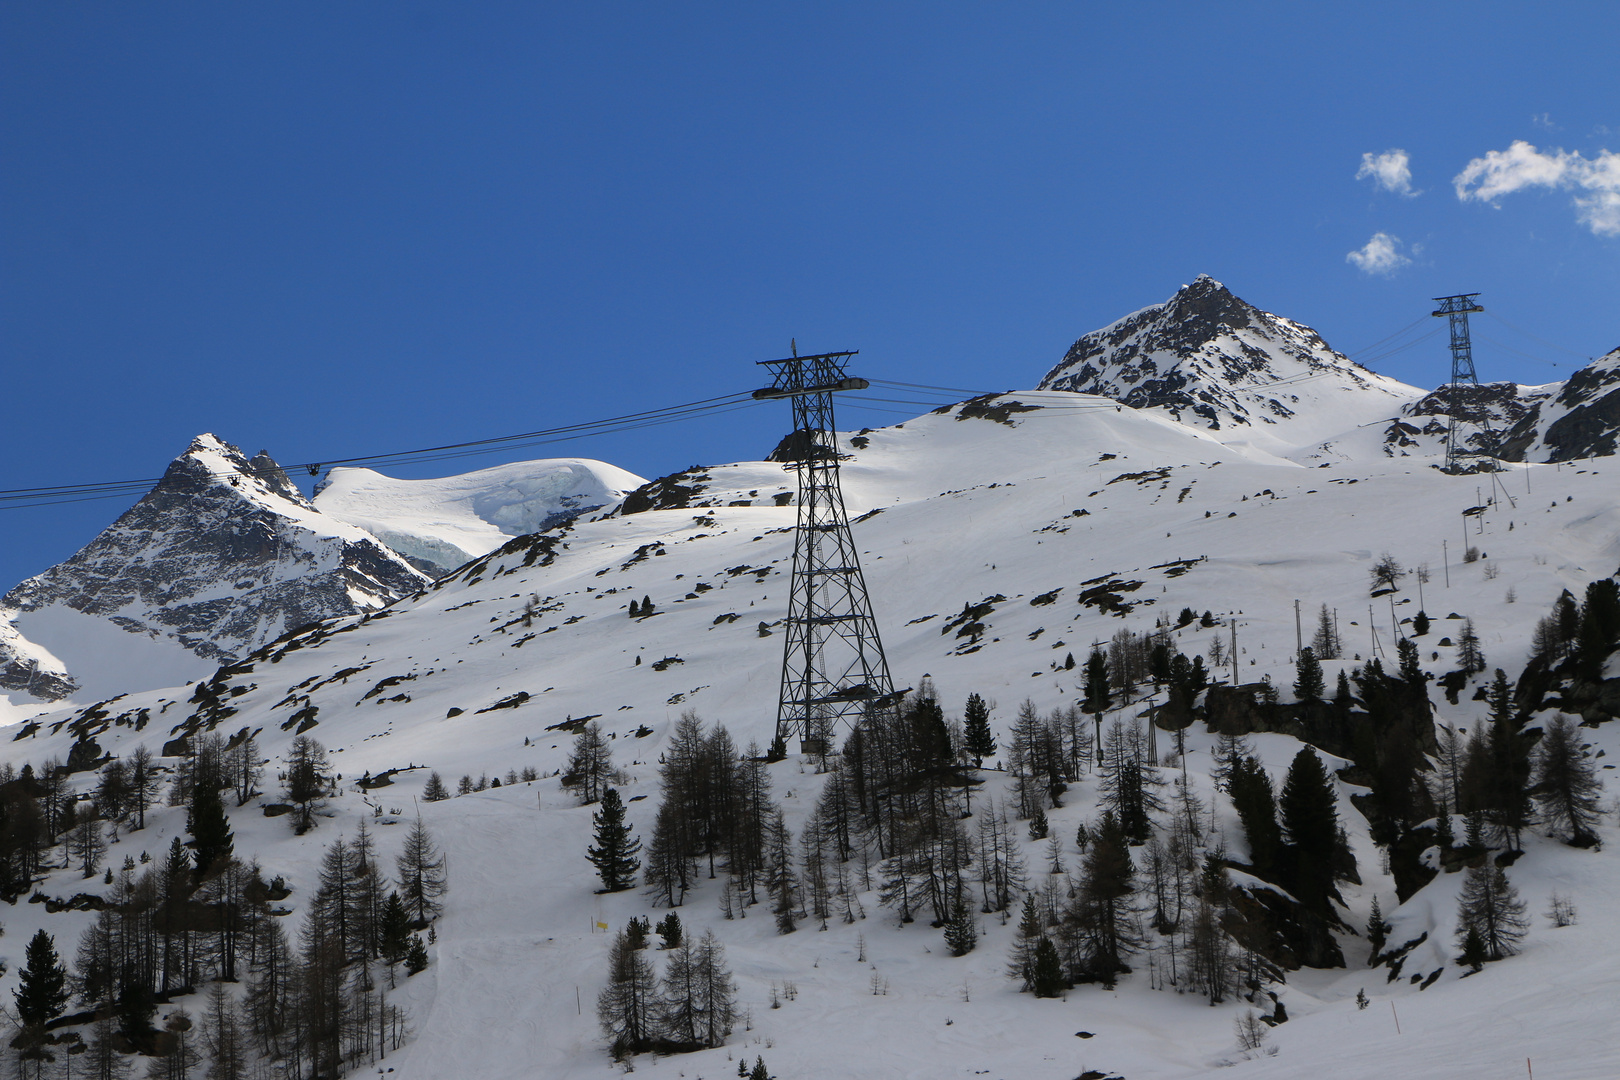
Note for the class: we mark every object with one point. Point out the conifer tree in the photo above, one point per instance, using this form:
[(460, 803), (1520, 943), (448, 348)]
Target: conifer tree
[(614, 854), (962, 932), (1047, 980), (1489, 906), (1098, 918), (42, 991), (1308, 683), (394, 933), (1377, 929), (416, 957), (976, 729), (423, 880), (1567, 786), (212, 840), (781, 882), (143, 783), (1341, 691), (1099, 697), (1129, 783), (1420, 624), (306, 782), (626, 1004), (434, 790), (590, 766), (1021, 965), (85, 842), (1469, 653), (1256, 807), (1325, 643), (1310, 823)]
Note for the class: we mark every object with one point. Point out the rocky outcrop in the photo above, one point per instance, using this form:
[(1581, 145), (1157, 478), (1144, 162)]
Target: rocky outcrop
[(1214, 361), (222, 556)]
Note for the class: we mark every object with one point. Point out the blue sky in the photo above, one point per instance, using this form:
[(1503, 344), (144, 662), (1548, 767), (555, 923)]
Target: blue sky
[(335, 230)]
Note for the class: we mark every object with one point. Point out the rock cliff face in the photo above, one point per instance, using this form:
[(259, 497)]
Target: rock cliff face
[(1213, 361), (1578, 418), (222, 556)]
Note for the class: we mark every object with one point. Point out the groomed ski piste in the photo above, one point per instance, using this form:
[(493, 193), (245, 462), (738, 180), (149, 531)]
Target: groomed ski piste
[(1027, 496)]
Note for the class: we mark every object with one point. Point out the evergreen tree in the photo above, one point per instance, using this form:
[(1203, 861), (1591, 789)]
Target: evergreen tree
[(1098, 919), (976, 729), (1498, 769), (1325, 643), (1308, 683), (1489, 906), (1256, 807), (1310, 823), (1021, 965), (1469, 653), (1420, 624), (416, 957), (1047, 978), (394, 932), (1411, 673), (1567, 785), (1377, 929), (211, 834), (1098, 697), (307, 782), (614, 854), (1341, 690), (435, 791), (41, 992), (962, 932), (669, 930)]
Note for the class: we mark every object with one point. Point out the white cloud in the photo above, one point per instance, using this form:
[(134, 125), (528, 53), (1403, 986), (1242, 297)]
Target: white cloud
[(1595, 181), (1391, 170), (1380, 255)]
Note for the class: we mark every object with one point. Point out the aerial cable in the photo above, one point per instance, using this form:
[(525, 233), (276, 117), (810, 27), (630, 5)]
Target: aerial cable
[(66, 493)]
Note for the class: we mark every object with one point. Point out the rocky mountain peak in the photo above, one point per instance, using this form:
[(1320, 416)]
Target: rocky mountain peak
[(223, 555), (1213, 360)]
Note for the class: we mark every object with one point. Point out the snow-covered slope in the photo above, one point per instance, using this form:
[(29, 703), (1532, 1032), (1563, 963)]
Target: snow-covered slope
[(1021, 506), (440, 524), (223, 555), (1209, 359)]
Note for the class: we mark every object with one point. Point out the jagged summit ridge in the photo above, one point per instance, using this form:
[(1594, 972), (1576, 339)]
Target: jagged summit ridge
[(221, 556), (1212, 360)]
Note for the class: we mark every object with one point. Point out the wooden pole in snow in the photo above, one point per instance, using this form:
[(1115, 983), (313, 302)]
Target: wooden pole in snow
[(1397, 1017)]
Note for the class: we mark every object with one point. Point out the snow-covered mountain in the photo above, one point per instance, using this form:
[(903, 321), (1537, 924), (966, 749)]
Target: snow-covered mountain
[(1001, 539), (439, 524), (1577, 418), (221, 556), (1207, 358), (1058, 520)]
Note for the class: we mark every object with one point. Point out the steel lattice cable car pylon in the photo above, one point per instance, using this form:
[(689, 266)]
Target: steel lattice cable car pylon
[(1456, 309), (833, 667)]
